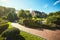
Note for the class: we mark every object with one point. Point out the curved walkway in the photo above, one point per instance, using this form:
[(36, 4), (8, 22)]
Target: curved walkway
[(48, 34)]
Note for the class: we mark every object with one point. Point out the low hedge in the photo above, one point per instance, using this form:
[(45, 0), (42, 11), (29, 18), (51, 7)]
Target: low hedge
[(32, 23), (38, 24), (3, 27)]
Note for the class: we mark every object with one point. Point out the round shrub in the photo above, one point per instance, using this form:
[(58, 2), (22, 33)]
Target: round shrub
[(11, 32)]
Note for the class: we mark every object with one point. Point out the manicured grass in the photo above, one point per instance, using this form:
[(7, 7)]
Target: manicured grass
[(9, 22), (28, 36), (10, 26)]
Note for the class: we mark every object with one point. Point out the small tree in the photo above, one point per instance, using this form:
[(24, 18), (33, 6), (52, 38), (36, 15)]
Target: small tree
[(12, 17)]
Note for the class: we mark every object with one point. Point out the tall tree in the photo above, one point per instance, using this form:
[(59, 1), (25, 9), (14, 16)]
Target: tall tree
[(12, 17), (1, 11), (22, 14), (28, 14)]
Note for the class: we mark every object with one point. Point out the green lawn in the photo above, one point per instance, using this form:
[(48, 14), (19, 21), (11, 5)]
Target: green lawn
[(10, 26), (28, 36)]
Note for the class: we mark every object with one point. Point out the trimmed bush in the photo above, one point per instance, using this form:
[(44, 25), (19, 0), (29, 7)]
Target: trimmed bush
[(11, 32), (32, 23), (2, 21), (53, 21), (3, 27)]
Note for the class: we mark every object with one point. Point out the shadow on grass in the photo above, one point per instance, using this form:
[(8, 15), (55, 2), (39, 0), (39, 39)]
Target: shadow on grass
[(51, 28), (44, 27), (18, 37)]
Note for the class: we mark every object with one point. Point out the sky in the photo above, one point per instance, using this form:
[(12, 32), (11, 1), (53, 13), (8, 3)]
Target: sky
[(46, 6)]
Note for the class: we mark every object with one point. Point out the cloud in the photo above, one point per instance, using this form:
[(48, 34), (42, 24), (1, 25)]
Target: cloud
[(56, 2), (4, 1), (45, 6), (30, 9)]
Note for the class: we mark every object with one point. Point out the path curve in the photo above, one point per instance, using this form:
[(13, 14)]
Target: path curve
[(48, 34)]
